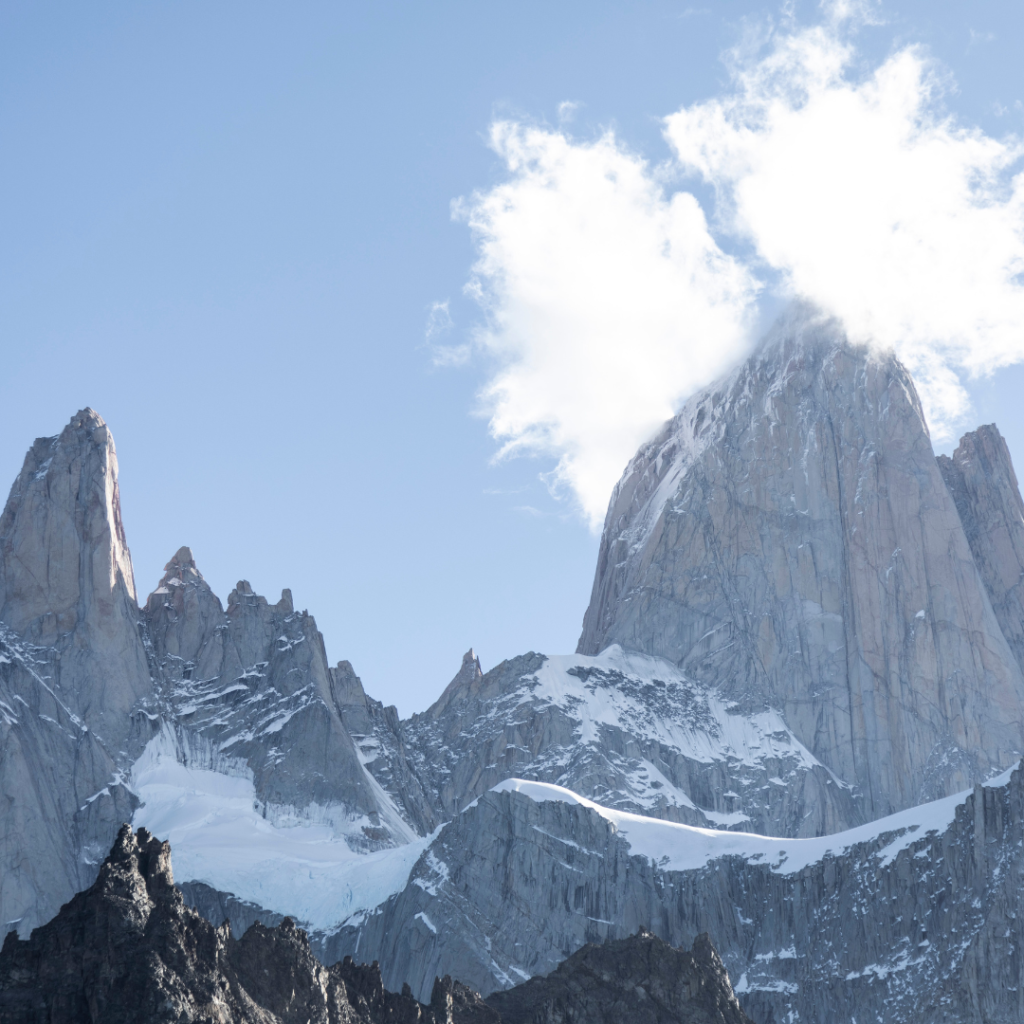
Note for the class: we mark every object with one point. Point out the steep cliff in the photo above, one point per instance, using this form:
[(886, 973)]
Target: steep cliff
[(72, 667), (789, 538), (917, 918), (981, 479)]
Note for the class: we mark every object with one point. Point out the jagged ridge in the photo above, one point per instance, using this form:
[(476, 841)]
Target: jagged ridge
[(129, 951)]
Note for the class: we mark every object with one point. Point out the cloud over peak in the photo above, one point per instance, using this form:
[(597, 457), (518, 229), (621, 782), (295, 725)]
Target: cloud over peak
[(608, 298)]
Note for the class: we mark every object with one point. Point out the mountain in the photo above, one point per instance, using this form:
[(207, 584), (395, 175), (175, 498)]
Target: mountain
[(917, 918), (128, 951), (629, 731), (105, 705), (789, 538), (791, 723), (983, 486)]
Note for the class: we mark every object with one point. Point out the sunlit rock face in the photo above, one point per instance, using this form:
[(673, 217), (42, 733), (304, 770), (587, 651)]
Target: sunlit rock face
[(789, 537), (72, 666)]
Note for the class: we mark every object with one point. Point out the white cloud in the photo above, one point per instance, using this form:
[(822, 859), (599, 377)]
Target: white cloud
[(607, 301), (873, 203)]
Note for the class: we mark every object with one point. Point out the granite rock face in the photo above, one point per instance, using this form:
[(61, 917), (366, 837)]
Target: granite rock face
[(250, 690), (72, 667), (128, 951), (914, 920), (89, 683), (380, 742), (789, 537), (983, 485), (640, 979)]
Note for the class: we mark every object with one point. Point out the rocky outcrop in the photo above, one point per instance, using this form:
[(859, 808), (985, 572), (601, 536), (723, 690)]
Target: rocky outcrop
[(641, 979), (128, 951), (72, 666), (250, 689), (917, 919), (789, 537), (981, 479)]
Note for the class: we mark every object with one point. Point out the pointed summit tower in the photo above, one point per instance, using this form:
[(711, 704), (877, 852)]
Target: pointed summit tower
[(72, 666)]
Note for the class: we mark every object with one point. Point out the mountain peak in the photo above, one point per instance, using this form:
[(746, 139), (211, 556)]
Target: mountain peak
[(789, 536), (62, 530), (182, 559)]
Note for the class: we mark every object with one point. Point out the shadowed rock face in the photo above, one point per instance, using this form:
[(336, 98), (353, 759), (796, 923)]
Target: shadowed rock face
[(640, 979), (789, 537)]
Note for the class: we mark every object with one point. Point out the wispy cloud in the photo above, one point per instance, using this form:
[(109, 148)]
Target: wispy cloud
[(608, 298), (567, 110), (440, 324), (980, 38)]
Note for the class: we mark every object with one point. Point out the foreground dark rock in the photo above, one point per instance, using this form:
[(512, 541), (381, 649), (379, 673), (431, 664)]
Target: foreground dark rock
[(640, 979), (129, 951)]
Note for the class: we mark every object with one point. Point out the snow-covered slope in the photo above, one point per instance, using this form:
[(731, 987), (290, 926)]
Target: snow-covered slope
[(632, 732), (677, 847), (221, 837)]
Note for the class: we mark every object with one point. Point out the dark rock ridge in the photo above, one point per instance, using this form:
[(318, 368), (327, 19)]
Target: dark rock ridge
[(789, 537), (641, 979), (129, 951)]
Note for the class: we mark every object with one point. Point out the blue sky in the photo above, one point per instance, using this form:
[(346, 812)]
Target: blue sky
[(225, 228)]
